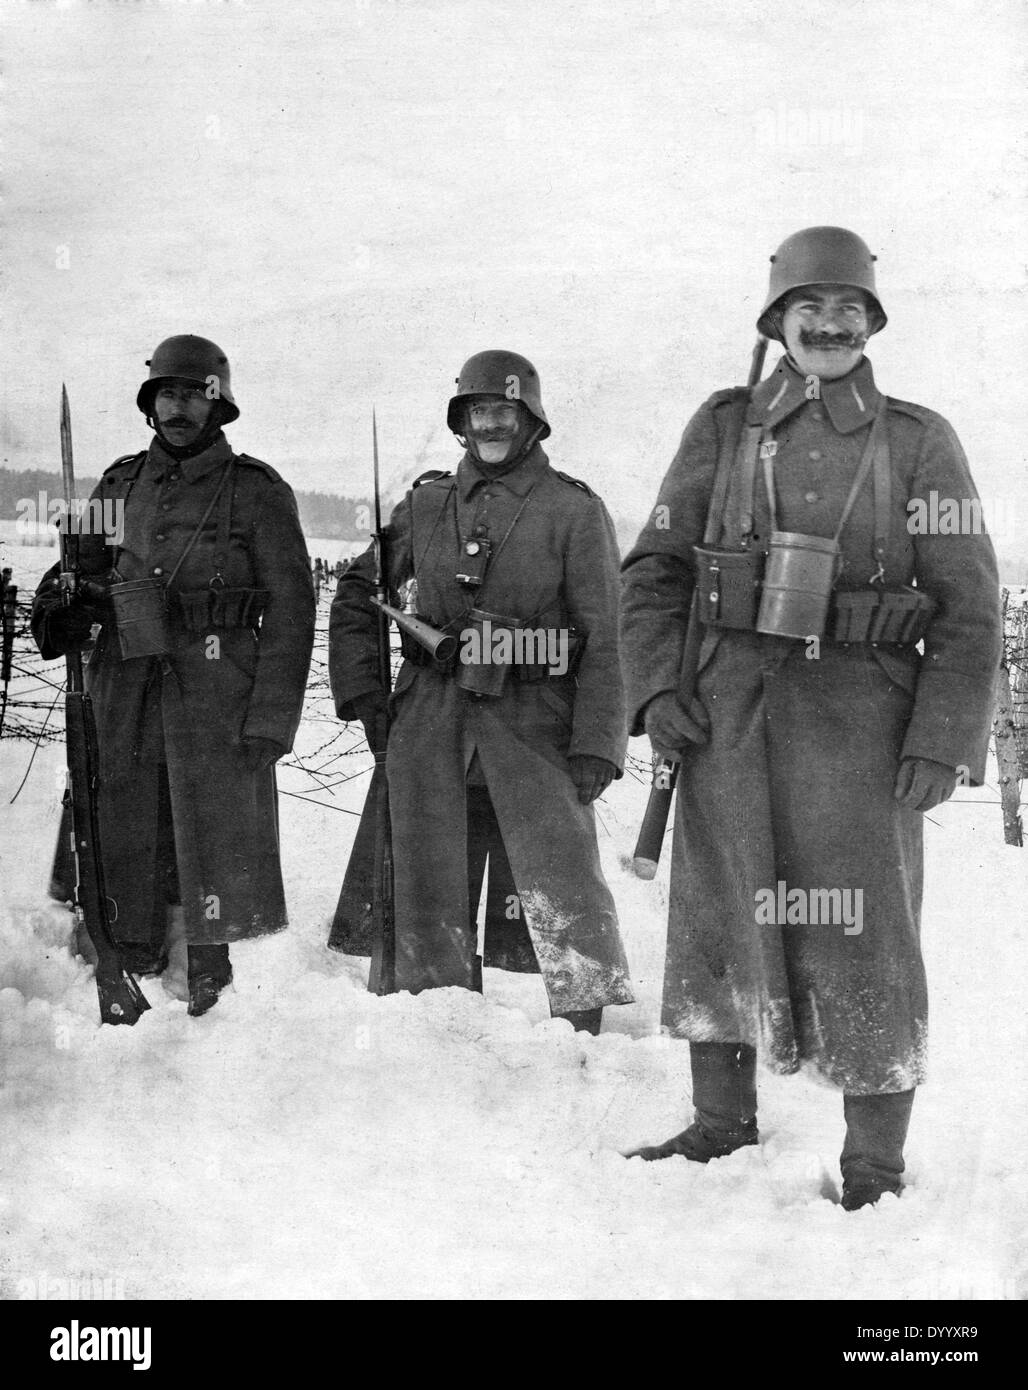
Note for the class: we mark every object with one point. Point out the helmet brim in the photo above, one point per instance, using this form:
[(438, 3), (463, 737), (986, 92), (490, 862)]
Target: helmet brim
[(146, 393), (456, 406), (768, 321)]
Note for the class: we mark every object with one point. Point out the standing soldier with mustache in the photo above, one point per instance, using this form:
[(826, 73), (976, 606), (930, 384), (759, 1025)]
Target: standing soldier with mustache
[(819, 734), (206, 611), (497, 757)]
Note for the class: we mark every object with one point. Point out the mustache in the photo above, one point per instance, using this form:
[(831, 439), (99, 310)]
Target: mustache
[(493, 436), (176, 422), (812, 339)]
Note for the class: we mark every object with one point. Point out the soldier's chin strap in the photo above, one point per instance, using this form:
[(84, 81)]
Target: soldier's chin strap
[(529, 433), (203, 440)]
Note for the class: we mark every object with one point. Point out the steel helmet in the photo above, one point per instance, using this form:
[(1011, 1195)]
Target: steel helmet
[(820, 256), (498, 373), (189, 358)]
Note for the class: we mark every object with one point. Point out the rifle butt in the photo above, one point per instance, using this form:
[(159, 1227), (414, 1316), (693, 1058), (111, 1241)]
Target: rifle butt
[(120, 998), (382, 975)]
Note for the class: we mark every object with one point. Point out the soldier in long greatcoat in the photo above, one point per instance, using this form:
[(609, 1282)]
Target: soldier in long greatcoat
[(188, 740), (808, 760), (489, 745)]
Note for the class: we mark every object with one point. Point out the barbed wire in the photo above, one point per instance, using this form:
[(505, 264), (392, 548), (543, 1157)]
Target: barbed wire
[(326, 764)]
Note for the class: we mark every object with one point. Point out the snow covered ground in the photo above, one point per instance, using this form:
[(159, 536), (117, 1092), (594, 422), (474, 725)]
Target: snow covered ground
[(306, 1139)]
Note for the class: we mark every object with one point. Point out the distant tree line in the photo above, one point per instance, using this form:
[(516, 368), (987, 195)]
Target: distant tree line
[(331, 517), (322, 514)]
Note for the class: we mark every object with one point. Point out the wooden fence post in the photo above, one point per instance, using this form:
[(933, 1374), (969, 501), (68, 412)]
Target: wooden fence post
[(1017, 660), (1005, 731)]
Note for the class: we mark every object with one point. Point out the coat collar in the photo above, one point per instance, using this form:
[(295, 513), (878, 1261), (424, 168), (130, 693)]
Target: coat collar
[(218, 451), (519, 480), (851, 401)]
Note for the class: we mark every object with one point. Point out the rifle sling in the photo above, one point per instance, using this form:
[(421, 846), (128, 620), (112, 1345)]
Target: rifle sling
[(224, 525), (202, 522), (741, 442)]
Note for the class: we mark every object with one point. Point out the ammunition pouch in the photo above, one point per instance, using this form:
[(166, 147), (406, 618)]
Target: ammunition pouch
[(895, 614), (530, 672), (728, 586), (200, 611), (484, 677)]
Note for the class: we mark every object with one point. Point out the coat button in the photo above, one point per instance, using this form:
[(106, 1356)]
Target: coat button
[(161, 538), (808, 497), (158, 570), (814, 454)]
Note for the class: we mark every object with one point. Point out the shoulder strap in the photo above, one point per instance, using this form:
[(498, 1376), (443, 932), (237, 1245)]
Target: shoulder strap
[(265, 468), (431, 475), (577, 482), (221, 544), (423, 499), (202, 522), (870, 450), (876, 451), (883, 493), (124, 484), (767, 454), (137, 459), (748, 445)]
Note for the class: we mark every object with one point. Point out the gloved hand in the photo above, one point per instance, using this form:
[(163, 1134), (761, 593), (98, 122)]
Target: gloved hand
[(68, 625), (371, 711), (591, 776), (923, 784), (261, 753), (671, 728)]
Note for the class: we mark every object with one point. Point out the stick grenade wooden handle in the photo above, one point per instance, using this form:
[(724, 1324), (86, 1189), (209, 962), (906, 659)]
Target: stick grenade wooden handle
[(654, 824), (665, 773)]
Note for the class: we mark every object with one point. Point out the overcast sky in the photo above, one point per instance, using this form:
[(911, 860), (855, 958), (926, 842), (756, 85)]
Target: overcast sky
[(352, 196)]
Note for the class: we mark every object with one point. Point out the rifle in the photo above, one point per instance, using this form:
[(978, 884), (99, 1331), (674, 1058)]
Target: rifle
[(665, 772), (382, 977), (9, 598), (121, 999)]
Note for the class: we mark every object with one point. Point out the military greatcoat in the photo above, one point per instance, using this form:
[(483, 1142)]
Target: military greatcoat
[(173, 728), (554, 565), (796, 784)]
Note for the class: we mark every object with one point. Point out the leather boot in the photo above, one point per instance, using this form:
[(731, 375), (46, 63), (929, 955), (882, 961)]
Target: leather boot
[(724, 1093), (872, 1156), (209, 972)]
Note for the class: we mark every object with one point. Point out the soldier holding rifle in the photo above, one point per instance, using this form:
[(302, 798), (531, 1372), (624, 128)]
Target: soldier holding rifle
[(486, 746), (814, 733), (206, 611)]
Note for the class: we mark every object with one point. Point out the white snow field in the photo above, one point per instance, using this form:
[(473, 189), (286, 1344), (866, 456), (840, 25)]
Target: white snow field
[(308, 1140)]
